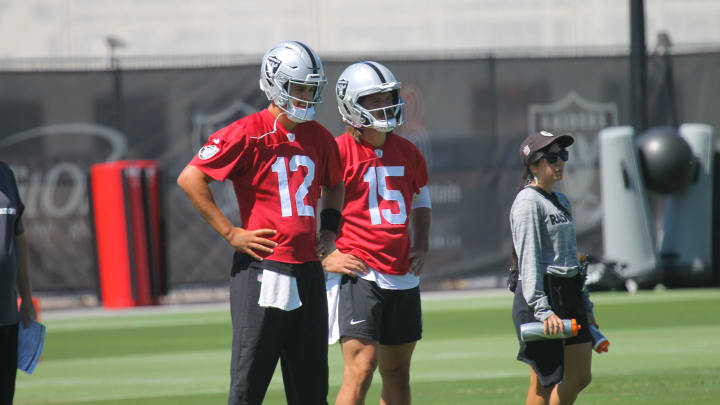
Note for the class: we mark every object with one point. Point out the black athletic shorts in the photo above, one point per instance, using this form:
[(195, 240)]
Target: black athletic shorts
[(366, 311), (547, 356)]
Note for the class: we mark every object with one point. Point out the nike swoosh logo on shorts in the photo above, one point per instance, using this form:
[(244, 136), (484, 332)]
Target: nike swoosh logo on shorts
[(353, 322)]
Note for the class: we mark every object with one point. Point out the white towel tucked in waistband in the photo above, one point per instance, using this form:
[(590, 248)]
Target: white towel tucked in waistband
[(332, 289), (279, 291)]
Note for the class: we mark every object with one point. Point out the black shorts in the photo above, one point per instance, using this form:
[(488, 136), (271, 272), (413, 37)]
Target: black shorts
[(366, 311), (547, 356)]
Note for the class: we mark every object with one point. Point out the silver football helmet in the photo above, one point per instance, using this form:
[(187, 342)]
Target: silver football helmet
[(288, 64), (362, 79)]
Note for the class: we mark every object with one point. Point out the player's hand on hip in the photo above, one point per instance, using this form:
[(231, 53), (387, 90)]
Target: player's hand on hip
[(325, 243), (341, 263), (251, 241), (552, 325), (417, 260)]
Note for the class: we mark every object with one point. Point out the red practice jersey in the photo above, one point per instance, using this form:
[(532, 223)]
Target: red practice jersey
[(276, 177), (379, 188)]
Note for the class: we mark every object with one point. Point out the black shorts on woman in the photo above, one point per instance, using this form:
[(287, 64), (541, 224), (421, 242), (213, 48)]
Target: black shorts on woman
[(546, 357)]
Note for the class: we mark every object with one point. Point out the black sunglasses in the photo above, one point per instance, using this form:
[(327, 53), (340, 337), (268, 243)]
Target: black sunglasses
[(552, 157)]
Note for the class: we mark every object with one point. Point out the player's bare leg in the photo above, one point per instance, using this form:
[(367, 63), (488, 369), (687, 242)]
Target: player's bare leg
[(394, 362), (577, 374), (537, 394), (360, 358)]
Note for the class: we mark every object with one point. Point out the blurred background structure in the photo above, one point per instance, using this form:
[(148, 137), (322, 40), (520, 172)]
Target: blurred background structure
[(85, 82), (420, 28)]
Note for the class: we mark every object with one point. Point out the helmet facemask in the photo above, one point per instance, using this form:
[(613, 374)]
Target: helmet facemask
[(294, 101), (383, 118)]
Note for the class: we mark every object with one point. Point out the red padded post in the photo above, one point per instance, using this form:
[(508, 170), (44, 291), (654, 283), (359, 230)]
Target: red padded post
[(111, 234)]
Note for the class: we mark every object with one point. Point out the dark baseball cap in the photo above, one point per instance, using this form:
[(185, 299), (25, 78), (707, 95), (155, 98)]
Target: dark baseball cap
[(540, 140)]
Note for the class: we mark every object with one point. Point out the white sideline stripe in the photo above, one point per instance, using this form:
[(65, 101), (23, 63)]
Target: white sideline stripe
[(170, 358), (475, 298), (100, 312), (224, 306), (110, 324), (219, 314), (465, 294), (656, 296), (134, 359)]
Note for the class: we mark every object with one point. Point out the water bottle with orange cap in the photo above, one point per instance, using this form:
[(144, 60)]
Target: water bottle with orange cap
[(532, 331)]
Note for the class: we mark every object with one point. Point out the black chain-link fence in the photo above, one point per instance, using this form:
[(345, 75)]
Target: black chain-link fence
[(468, 117)]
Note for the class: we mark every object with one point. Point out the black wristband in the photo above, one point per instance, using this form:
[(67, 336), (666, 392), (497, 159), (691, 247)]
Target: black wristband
[(330, 219)]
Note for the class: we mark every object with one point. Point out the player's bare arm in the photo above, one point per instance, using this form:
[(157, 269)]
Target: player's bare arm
[(331, 198), (196, 186), (420, 226)]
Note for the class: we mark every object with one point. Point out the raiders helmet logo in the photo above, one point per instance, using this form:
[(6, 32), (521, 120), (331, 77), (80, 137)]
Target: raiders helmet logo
[(272, 66), (341, 88)]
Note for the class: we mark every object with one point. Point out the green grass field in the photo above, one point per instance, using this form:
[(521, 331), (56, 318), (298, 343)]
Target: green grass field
[(665, 349)]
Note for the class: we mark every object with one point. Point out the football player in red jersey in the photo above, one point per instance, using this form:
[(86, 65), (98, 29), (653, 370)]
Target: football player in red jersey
[(377, 263), (278, 161)]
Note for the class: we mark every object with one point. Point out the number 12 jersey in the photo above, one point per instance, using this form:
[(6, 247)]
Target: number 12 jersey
[(276, 176)]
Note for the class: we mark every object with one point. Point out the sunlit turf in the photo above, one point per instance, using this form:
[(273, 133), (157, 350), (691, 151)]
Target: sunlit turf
[(665, 349)]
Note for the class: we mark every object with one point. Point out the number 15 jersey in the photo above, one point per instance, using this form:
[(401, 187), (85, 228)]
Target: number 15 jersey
[(379, 186), (276, 177)]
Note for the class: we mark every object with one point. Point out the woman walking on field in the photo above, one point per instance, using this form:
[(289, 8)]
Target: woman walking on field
[(549, 278)]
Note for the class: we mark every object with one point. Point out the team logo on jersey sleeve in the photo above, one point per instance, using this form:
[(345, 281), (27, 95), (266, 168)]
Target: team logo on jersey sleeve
[(208, 151)]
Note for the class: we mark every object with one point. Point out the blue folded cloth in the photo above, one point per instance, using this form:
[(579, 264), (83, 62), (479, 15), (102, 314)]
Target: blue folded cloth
[(31, 341)]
